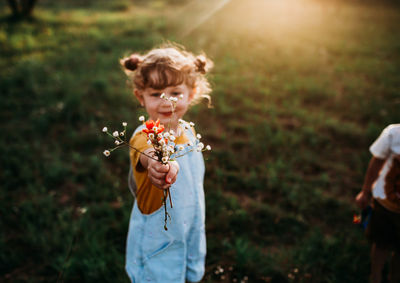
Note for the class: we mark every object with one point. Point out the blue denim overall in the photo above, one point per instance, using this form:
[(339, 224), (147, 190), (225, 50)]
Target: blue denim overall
[(176, 255)]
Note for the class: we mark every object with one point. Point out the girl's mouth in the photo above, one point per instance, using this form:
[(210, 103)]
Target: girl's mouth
[(167, 114)]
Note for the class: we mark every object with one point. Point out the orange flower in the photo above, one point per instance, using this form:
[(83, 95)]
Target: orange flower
[(150, 124), (356, 219)]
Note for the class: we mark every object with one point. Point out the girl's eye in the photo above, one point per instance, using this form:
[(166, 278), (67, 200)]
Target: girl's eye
[(175, 93), (155, 94)]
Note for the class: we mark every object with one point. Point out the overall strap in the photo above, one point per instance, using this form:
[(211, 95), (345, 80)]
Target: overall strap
[(131, 178)]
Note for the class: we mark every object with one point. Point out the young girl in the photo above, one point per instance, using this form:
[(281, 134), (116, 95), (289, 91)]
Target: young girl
[(178, 254), (382, 183)]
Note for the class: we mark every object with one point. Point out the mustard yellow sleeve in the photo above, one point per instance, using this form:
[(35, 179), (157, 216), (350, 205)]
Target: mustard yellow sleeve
[(148, 197)]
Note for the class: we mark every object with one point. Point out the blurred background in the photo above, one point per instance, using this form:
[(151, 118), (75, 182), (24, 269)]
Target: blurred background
[(301, 88)]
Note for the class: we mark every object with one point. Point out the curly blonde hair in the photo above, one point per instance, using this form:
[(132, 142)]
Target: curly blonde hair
[(169, 65)]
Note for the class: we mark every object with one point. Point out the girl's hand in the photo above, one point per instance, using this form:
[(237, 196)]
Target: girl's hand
[(363, 199), (162, 175), (172, 173)]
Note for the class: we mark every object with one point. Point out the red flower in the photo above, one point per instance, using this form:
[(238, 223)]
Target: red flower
[(150, 124), (356, 219), (160, 129)]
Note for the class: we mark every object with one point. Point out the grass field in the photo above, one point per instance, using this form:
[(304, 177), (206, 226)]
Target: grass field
[(300, 91)]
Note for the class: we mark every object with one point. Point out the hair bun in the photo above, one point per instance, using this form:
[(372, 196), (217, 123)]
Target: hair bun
[(200, 63), (132, 62)]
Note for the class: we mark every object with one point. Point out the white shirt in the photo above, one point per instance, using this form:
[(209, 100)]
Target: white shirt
[(385, 147)]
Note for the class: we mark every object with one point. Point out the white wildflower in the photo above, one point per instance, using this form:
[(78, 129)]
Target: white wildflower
[(160, 136), (181, 121), (162, 142), (198, 136), (190, 143), (106, 153), (181, 96), (115, 134), (121, 134), (162, 95), (200, 146), (191, 124), (208, 147), (117, 142), (164, 159), (82, 210), (141, 118), (172, 132), (124, 124), (105, 129), (181, 147), (151, 136), (171, 138), (166, 135), (155, 129)]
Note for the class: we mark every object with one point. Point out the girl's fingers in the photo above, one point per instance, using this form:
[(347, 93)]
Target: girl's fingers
[(170, 178), (154, 173), (161, 168)]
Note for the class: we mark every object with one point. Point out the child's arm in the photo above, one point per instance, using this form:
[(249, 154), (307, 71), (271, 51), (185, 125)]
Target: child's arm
[(375, 165), (160, 175)]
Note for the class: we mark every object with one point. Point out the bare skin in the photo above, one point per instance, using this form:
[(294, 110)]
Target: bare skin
[(160, 175), (364, 197)]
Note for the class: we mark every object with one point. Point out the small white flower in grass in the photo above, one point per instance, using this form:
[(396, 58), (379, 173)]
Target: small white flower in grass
[(164, 159), (105, 129), (117, 142), (106, 153), (208, 147), (124, 124), (162, 95), (121, 134), (141, 118), (181, 121), (115, 134), (151, 136), (82, 210), (198, 136), (191, 124)]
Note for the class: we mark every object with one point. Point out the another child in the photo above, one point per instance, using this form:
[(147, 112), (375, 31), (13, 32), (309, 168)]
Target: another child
[(382, 182), (177, 254)]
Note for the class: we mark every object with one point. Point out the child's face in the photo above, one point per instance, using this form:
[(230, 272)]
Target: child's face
[(159, 108)]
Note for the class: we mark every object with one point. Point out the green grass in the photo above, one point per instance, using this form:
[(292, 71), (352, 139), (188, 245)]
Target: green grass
[(299, 91)]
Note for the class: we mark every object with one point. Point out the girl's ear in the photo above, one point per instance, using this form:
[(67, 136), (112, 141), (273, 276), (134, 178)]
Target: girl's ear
[(139, 96), (192, 93)]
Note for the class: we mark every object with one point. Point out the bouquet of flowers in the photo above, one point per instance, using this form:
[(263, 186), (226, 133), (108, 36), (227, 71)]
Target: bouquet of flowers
[(162, 141)]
